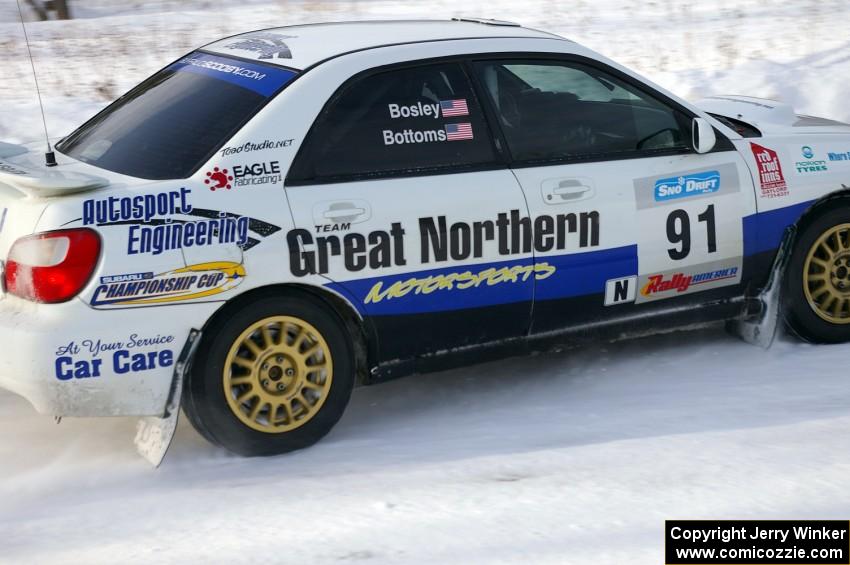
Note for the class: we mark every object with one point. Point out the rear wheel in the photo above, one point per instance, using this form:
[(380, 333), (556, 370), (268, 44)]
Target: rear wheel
[(817, 282), (273, 377)]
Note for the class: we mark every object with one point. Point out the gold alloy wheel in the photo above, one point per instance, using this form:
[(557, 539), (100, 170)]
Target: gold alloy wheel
[(278, 374), (826, 275)]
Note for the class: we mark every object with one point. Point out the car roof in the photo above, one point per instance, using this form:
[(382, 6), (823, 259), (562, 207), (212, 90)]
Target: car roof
[(302, 46)]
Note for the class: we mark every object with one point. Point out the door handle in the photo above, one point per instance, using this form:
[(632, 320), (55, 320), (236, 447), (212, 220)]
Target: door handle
[(337, 213), (348, 211), (568, 190), (562, 191)]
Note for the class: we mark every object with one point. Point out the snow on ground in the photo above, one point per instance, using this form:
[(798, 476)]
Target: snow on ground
[(573, 457), (797, 51)]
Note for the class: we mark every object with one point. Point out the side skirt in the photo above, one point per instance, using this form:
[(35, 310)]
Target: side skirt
[(682, 317)]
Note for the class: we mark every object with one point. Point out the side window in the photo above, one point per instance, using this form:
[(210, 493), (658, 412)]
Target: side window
[(552, 110), (404, 120)]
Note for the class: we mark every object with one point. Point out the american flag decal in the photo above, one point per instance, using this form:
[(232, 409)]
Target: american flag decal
[(458, 132), (451, 108)]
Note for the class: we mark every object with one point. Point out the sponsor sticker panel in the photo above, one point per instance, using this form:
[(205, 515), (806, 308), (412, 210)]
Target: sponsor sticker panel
[(771, 178), (687, 280), (245, 175), (694, 184), (180, 285)]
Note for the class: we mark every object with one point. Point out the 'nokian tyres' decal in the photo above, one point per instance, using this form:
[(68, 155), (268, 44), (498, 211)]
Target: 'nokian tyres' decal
[(693, 184), (811, 163), (510, 233), (167, 220), (180, 285)]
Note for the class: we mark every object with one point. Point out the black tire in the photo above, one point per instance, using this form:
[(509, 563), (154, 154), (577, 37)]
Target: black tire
[(800, 315), (204, 400)]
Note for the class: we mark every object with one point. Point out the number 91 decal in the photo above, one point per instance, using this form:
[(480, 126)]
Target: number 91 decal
[(679, 232)]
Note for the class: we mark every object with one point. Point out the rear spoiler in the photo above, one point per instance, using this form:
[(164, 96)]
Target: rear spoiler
[(41, 182)]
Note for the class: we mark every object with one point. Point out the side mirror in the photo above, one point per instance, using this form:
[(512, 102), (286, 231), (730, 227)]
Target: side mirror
[(704, 139)]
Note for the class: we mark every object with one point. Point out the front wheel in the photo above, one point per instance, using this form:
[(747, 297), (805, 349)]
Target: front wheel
[(817, 282), (273, 377)]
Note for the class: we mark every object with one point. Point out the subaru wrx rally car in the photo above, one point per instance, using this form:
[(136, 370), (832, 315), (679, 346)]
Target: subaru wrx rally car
[(282, 215)]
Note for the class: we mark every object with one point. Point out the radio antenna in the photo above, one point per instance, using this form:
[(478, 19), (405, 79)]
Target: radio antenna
[(50, 156)]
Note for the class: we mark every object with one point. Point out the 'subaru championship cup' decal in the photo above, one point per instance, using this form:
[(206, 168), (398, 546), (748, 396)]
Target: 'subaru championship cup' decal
[(188, 283)]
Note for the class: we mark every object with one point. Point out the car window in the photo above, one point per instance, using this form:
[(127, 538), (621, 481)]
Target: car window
[(552, 110), (398, 121), (169, 125)]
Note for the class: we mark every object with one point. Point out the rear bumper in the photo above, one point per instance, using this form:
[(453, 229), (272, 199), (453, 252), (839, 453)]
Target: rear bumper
[(71, 360)]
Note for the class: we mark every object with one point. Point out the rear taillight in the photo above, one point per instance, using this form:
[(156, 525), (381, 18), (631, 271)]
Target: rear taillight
[(52, 266)]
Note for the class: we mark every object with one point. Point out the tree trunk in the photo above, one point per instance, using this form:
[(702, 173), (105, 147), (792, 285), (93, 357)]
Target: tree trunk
[(39, 10), (44, 9), (62, 11)]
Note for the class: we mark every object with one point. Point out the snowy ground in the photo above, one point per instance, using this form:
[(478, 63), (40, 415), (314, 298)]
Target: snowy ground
[(575, 457)]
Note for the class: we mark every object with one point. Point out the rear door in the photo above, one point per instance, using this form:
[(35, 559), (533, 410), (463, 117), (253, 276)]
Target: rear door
[(402, 204), (639, 221)]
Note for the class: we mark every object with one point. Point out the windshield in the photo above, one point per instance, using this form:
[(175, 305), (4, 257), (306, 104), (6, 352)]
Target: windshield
[(169, 125)]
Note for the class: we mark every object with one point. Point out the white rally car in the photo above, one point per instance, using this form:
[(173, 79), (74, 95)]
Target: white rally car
[(281, 215)]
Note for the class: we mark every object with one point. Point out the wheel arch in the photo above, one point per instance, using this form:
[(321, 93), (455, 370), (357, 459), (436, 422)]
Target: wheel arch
[(837, 200), (363, 335), (817, 207)]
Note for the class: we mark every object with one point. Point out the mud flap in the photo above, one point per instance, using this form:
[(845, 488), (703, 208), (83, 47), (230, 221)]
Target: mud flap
[(154, 435), (760, 329)]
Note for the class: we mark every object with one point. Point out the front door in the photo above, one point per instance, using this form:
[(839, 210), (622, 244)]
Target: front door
[(654, 224), (401, 204)]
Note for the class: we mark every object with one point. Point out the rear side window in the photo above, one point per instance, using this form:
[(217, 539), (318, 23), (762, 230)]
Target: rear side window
[(400, 121), (553, 110), (169, 125)]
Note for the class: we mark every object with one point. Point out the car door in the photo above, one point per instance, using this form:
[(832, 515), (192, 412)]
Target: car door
[(641, 221), (402, 204)]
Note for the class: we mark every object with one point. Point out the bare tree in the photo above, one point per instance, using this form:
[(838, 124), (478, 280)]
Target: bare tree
[(43, 9), (61, 8)]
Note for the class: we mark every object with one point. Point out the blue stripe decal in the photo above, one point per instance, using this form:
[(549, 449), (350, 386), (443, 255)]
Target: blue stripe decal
[(764, 231), (488, 284), (510, 282), (579, 274), (261, 79)]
